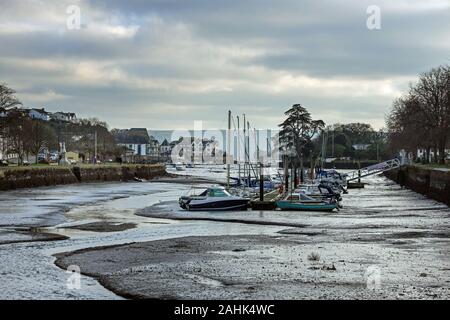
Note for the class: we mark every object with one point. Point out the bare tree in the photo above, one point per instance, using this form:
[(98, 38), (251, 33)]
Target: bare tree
[(421, 119), (17, 127), (432, 94), (8, 99), (40, 136)]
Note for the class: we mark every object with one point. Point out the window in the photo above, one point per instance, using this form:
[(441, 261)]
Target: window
[(218, 193)]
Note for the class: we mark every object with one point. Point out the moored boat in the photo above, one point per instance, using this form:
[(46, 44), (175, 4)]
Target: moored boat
[(179, 167), (212, 199), (302, 202)]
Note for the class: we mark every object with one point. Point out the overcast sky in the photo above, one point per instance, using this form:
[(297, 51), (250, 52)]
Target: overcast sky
[(163, 64)]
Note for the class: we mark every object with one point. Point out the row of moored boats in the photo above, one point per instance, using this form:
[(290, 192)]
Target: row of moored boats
[(322, 194)]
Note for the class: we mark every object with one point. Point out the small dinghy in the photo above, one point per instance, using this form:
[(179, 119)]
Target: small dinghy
[(302, 202), (212, 199)]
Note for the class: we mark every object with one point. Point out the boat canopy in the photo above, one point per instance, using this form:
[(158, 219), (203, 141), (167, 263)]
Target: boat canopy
[(197, 191), (299, 197)]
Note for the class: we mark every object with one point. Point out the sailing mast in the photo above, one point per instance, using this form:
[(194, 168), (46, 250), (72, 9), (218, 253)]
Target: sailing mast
[(228, 148), (239, 151), (245, 150)]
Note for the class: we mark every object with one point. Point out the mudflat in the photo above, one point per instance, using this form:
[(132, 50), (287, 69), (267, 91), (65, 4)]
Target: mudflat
[(294, 264)]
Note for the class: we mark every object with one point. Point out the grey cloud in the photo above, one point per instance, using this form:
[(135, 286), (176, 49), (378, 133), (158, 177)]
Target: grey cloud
[(184, 46)]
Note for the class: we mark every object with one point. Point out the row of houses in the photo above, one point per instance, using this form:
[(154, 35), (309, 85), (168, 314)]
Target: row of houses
[(138, 142), (42, 114)]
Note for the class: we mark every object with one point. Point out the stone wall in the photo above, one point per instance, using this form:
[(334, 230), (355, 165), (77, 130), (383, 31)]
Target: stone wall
[(35, 177), (433, 183), (47, 176)]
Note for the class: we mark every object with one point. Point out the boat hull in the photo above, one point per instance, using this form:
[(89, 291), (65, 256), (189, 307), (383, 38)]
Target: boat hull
[(289, 205), (215, 205)]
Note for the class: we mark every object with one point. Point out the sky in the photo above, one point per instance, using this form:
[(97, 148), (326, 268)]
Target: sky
[(164, 64)]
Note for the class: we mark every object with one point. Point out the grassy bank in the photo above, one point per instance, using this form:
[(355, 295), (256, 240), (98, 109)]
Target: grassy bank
[(82, 165), (432, 166)]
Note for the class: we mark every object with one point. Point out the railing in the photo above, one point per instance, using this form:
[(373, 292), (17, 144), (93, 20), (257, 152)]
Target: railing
[(374, 169)]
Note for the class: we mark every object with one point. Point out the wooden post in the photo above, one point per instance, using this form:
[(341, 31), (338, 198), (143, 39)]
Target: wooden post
[(295, 176), (261, 182), (359, 172), (286, 175), (302, 178)]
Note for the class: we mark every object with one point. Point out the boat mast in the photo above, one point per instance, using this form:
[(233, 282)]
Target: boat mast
[(239, 151), (248, 152), (245, 149), (228, 149)]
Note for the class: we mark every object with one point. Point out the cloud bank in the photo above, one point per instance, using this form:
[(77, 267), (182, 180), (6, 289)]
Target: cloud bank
[(163, 64)]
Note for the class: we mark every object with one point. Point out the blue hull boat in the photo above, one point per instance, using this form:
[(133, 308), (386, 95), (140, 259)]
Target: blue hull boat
[(302, 202), (298, 206)]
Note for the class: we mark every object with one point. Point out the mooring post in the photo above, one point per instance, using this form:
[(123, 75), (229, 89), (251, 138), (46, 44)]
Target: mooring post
[(286, 175), (359, 172), (261, 182)]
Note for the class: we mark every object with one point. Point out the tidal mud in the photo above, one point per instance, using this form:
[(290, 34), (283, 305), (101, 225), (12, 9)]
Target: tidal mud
[(262, 267)]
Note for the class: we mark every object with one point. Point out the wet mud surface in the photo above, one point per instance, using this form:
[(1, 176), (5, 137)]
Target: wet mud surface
[(17, 235), (261, 267), (103, 226), (398, 235), (135, 241)]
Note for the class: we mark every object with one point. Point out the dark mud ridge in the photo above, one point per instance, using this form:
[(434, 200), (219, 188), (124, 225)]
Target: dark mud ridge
[(103, 226), (49, 176), (18, 235), (254, 267), (431, 183)]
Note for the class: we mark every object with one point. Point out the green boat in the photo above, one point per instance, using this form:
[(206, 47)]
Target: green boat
[(302, 202)]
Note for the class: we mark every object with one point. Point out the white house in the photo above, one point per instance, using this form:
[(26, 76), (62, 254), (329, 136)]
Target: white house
[(422, 153), (64, 116), (39, 114), (136, 140), (153, 148), (360, 146), (165, 148)]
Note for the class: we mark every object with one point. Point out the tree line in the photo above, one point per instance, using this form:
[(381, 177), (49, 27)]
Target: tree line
[(303, 138), (24, 136), (420, 119)]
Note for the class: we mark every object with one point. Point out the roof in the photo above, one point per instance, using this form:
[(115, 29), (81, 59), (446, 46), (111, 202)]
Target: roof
[(42, 110), (132, 136), (70, 114), (153, 140), (165, 143)]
